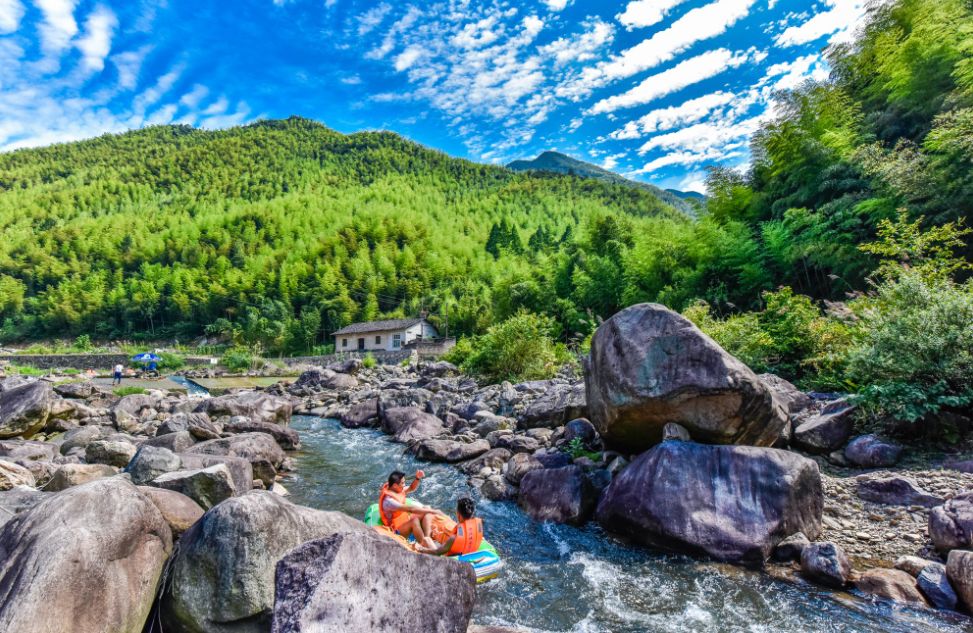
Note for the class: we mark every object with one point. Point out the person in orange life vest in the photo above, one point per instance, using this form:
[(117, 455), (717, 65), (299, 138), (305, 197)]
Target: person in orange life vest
[(467, 535), (404, 519)]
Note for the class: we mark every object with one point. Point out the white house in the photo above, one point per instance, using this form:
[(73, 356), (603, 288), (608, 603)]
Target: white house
[(388, 335)]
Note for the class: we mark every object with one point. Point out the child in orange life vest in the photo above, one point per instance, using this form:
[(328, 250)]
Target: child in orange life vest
[(404, 519), (466, 537)]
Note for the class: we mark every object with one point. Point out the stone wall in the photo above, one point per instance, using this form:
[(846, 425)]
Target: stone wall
[(383, 357), (431, 348), (81, 361)]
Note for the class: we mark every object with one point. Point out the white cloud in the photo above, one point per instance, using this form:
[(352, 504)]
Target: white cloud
[(674, 116), (407, 58), (193, 98), (639, 13), (368, 21), (687, 73), (793, 74), (611, 161), (843, 18), (687, 158), (582, 47), (703, 136), (351, 80), (128, 65), (59, 26), (557, 5), (11, 12), (217, 107), (96, 43)]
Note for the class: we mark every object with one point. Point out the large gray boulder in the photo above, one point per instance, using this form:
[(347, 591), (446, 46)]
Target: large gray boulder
[(17, 500), (81, 437), (286, 437), (650, 366), (260, 449), (13, 475), (222, 578), (826, 564), (103, 581), (871, 451), (113, 453), (363, 583), (895, 490), (562, 495), (891, 584), (255, 405), (959, 571), (363, 413), (129, 410), (28, 450), (179, 511), (951, 524), (151, 461), (734, 503), (449, 450), (206, 486), (934, 585), (71, 475), (828, 430), (558, 405), (409, 423), (24, 409), (176, 442), (241, 470)]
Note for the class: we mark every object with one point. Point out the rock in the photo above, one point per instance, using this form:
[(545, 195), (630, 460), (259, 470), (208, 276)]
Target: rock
[(555, 459), (351, 366), (17, 500), (28, 450), (357, 583), (241, 470), (70, 475), (81, 437), (828, 430), (179, 511), (449, 450), (558, 405), (891, 584), (409, 424), (912, 565), (934, 585), (176, 424), (150, 462), (222, 578), (951, 524), (469, 411), (896, 491), (562, 495), (583, 430), (962, 466), (870, 451), (493, 459), (256, 405), (650, 366), (790, 548), (517, 443), (24, 409), (826, 563), (127, 412), (259, 449), (486, 423), (286, 438), (476, 628), (340, 382), (364, 413), (119, 543), (496, 488), (12, 475), (438, 369), (177, 442), (79, 390), (207, 486), (108, 452), (201, 427), (790, 397), (959, 571), (519, 465), (673, 431), (704, 499)]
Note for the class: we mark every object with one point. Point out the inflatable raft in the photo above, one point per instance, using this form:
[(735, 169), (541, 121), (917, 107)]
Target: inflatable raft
[(485, 561)]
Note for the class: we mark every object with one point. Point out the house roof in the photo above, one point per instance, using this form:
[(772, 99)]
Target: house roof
[(378, 326)]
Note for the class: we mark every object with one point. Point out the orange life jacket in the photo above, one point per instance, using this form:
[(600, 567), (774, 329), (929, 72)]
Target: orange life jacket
[(469, 536), (399, 497)]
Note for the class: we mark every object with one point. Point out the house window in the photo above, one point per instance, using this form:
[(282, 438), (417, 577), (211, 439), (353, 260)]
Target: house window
[(344, 342), (378, 340), (396, 341)]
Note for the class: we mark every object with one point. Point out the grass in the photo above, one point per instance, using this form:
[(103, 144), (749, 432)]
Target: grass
[(129, 391), (27, 370)]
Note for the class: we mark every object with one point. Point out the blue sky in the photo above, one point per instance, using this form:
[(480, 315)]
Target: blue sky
[(655, 89)]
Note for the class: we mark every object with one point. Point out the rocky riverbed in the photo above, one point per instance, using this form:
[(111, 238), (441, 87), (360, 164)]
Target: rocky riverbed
[(191, 484)]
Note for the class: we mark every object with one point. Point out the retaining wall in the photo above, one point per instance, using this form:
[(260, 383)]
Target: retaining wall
[(382, 356), (81, 361)]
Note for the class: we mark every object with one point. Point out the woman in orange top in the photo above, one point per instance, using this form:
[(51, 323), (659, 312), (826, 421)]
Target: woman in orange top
[(466, 537), (401, 518)]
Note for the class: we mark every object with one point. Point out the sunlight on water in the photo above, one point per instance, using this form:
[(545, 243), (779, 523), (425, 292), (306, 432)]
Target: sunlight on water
[(560, 579)]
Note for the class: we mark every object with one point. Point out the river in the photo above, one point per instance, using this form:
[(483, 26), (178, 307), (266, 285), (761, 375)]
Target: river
[(580, 580)]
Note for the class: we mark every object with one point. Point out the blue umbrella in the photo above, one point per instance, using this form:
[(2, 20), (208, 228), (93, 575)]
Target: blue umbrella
[(146, 357)]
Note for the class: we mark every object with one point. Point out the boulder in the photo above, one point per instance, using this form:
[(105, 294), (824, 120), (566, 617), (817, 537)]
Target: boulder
[(790, 397), (357, 583), (109, 452), (365, 413), (151, 461), (409, 424), (649, 366), (895, 491), (934, 585), (70, 475), (951, 524), (241, 471), (81, 437), (516, 443), (449, 450), (80, 390), (959, 571), (558, 405), (912, 565), (438, 369), (17, 500), (493, 459), (496, 488), (553, 459), (519, 465), (584, 431), (13, 475), (734, 503), (222, 578), (673, 431), (177, 442), (256, 405), (206, 486), (870, 451), (28, 450), (339, 382), (562, 495), (828, 430), (287, 438), (105, 581), (128, 410), (260, 449), (826, 564), (179, 511), (24, 409), (790, 548), (351, 366), (891, 584)]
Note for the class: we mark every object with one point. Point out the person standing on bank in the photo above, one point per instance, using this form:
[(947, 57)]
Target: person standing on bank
[(117, 375)]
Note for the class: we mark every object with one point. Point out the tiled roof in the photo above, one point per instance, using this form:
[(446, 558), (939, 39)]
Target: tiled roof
[(378, 326)]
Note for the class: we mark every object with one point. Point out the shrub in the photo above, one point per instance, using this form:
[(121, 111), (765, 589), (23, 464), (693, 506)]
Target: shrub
[(520, 348), (83, 343), (369, 361), (237, 359), (170, 361), (129, 391), (27, 370)]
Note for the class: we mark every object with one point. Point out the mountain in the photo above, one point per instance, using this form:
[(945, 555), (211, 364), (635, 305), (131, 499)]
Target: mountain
[(688, 195), (563, 164)]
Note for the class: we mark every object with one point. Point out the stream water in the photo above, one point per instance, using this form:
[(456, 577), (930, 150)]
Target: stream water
[(581, 580)]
